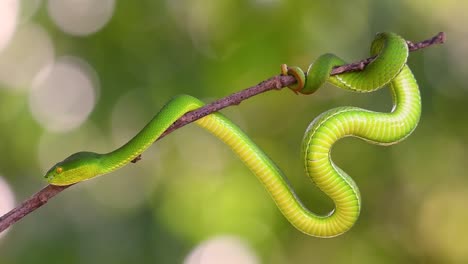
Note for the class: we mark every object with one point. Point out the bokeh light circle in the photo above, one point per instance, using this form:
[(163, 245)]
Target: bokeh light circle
[(9, 13), (7, 200), (222, 249), (63, 95), (29, 51), (82, 17)]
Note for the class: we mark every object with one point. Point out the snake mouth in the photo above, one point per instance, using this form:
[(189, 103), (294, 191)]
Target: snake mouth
[(54, 182)]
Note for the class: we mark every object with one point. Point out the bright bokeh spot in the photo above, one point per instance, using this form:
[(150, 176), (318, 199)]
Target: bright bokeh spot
[(7, 199), (223, 249), (82, 17), (63, 95), (29, 51), (9, 17)]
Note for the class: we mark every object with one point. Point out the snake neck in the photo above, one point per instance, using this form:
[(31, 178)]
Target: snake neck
[(120, 157), (172, 111)]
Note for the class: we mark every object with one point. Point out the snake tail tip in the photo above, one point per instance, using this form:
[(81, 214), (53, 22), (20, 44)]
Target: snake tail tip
[(284, 69)]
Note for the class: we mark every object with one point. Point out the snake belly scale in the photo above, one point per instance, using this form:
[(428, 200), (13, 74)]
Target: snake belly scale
[(389, 67)]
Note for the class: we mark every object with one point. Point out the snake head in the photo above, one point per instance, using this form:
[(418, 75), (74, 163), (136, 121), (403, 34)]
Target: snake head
[(78, 167)]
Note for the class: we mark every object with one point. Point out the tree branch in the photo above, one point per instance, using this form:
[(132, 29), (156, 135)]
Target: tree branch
[(274, 83)]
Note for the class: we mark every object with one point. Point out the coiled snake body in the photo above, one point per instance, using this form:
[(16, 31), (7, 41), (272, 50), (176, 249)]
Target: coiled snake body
[(389, 67)]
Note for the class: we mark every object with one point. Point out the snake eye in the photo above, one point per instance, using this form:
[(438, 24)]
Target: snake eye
[(59, 170)]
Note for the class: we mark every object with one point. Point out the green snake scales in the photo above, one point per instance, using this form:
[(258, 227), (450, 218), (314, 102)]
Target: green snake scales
[(389, 67)]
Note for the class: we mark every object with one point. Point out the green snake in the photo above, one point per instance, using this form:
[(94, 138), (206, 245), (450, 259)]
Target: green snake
[(388, 67)]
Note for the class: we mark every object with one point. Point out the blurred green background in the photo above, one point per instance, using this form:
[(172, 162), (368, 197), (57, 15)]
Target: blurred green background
[(87, 75)]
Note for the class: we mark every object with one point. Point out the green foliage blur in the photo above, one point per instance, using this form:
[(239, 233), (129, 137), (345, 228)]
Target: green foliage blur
[(189, 189)]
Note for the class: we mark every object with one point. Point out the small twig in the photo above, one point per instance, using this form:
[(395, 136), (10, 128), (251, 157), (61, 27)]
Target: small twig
[(274, 83), (437, 39)]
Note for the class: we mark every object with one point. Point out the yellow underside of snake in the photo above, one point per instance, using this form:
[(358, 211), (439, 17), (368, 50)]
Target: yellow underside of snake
[(389, 67)]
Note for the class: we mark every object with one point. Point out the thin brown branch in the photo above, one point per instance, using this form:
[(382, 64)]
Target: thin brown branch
[(274, 83)]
